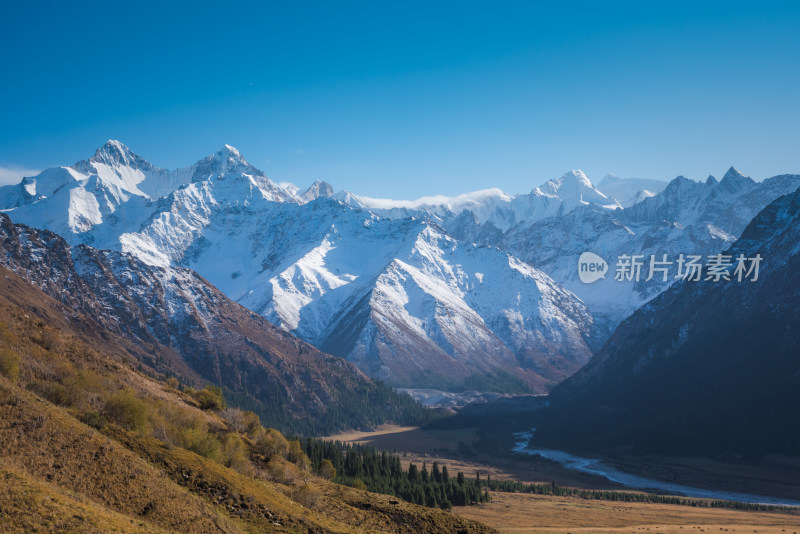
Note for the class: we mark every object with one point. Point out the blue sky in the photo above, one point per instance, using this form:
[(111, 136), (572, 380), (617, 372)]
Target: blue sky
[(409, 98)]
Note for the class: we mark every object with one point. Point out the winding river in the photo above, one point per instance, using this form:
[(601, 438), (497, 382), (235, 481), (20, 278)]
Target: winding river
[(597, 467)]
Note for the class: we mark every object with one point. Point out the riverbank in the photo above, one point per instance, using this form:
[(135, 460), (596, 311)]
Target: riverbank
[(597, 467)]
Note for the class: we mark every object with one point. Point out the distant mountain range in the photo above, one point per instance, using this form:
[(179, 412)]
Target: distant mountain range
[(705, 367), (687, 217), (478, 291)]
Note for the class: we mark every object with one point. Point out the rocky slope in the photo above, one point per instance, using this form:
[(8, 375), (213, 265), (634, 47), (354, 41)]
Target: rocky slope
[(179, 324)]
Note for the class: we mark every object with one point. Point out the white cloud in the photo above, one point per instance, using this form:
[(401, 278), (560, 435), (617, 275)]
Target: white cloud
[(14, 174)]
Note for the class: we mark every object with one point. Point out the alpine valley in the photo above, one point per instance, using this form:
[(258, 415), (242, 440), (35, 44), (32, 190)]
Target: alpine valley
[(478, 291), (161, 330)]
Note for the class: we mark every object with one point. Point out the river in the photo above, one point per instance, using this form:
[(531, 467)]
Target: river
[(597, 467)]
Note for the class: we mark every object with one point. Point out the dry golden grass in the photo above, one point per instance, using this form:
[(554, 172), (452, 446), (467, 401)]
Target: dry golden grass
[(49, 445), (59, 475), (132, 482), (410, 439), (358, 436), (31, 505), (522, 513), (255, 502)]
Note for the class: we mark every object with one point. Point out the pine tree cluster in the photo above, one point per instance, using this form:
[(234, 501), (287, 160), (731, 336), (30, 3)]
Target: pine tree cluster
[(381, 472)]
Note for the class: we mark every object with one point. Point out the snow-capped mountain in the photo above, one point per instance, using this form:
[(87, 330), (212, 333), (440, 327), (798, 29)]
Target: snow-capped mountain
[(116, 190), (469, 310), (687, 217), (73, 200), (405, 301), (397, 295), (492, 206)]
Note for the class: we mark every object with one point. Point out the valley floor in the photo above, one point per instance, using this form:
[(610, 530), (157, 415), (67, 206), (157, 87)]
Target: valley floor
[(525, 513), (521, 514)]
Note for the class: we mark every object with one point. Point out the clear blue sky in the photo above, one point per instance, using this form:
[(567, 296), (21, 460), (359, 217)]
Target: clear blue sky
[(408, 98)]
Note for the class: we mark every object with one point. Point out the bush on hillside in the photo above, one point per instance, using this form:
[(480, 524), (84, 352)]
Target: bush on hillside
[(127, 410), (10, 364), (210, 398)]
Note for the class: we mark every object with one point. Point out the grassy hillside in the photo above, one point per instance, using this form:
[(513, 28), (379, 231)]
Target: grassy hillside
[(92, 444)]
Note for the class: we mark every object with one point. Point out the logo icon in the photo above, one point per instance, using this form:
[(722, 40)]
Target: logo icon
[(591, 267)]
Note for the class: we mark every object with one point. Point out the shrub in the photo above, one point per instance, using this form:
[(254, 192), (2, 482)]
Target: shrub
[(297, 456), (128, 411), (49, 366), (252, 423), (6, 335), (235, 419), (271, 444), (53, 392), (47, 339), (326, 470), (307, 495), (94, 420), (242, 422), (9, 364), (210, 398), (200, 441), (236, 454), (183, 428), (85, 389), (161, 428), (281, 471)]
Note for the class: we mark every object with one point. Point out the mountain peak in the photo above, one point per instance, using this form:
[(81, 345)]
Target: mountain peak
[(232, 150), (225, 162), (578, 176), (116, 144), (226, 159), (680, 180), (735, 181), (115, 154), (679, 186), (569, 180), (573, 188), (229, 153), (733, 174), (318, 189)]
